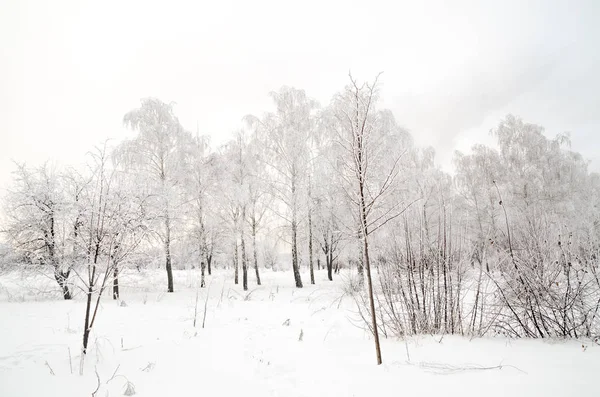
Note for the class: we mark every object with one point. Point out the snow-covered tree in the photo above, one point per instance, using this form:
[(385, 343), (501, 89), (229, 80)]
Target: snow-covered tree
[(156, 156), (38, 223), (111, 229), (200, 181), (285, 134), (370, 170)]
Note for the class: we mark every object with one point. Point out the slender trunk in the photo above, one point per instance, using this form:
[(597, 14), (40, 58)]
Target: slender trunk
[(168, 252), (61, 278), (477, 293), (114, 260), (365, 236), (203, 255), (327, 250), (329, 266), (116, 283), (90, 317), (310, 250), (202, 278), (235, 263), (444, 270), (360, 266), (438, 258), (244, 256), (209, 262), (295, 266), (370, 288), (255, 253), (86, 328), (203, 250)]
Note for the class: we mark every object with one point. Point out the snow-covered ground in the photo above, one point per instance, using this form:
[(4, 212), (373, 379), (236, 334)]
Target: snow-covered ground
[(246, 348)]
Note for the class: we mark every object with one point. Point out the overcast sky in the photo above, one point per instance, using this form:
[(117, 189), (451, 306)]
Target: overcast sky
[(70, 70)]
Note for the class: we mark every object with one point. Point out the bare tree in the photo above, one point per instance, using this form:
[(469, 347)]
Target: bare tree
[(362, 133), (112, 229)]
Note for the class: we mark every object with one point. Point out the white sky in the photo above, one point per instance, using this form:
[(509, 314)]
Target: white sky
[(70, 70)]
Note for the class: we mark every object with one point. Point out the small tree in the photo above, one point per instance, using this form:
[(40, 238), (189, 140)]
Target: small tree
[(112, 229), (199, 181), (231, 189), (366, 136), (259, 197)]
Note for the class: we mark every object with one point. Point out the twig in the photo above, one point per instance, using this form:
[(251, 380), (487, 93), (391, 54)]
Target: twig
[(229, 296), (222, 290), (445, 369), (148, 367), (328, 331), (70, 361), (97, 377), (50, 368), (318, 310), (339, 300), (114, 374), (205, 305), (196, 308), (247, 297)]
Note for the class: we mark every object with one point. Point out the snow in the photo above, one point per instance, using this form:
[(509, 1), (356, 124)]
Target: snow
[(246, 348)]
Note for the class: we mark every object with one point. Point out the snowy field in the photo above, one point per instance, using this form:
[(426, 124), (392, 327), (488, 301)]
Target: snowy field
[(249, 348)]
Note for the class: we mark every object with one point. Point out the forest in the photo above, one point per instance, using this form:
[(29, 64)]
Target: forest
[(507, 244)]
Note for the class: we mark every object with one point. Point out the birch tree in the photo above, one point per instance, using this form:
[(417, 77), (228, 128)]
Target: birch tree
[(200, 183), (234, 203), (259, 200), (156, 156), (329, 204), (285, 134)]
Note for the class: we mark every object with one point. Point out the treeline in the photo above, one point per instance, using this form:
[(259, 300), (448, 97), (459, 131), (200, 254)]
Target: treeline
[(508, 244)]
